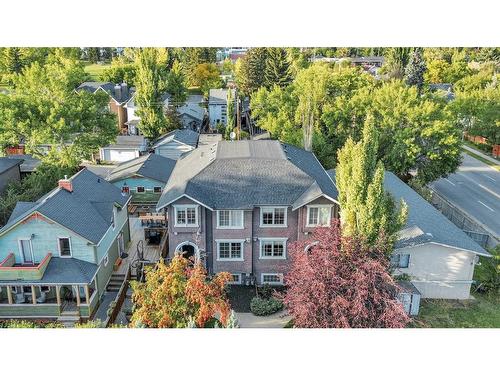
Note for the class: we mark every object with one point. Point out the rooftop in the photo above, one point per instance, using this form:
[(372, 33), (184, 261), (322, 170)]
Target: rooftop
[(186, 136), (151, 166), (8, 163), (245, 174)]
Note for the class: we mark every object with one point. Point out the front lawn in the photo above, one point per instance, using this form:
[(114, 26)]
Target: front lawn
[(95, 70), (483, 312)]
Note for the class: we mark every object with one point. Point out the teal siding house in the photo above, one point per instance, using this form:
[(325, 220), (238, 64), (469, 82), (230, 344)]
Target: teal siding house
[(143, 178), (57, 254)]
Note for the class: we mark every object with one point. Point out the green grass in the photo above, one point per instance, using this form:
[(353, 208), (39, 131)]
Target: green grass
[(146, 197), (483, 312), (486, 161), (95, 70)]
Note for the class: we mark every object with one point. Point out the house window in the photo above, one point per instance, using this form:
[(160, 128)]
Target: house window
[(45, 288), (227, 219), (272, 278), (125, 190), (157, 189), (230, 250), (106, 260), (400, 260), (273, 248), (64, 247), (186, 216), (236, 278), (273, 216), (140, 189), (318, 216)]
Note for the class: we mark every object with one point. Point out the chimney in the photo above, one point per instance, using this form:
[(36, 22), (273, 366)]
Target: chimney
[(118, 92), (124, 90), (66, 184)]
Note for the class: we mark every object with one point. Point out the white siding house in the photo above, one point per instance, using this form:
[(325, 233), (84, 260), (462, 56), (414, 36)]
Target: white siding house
[(176, 143), (217, 106), (127, 147)]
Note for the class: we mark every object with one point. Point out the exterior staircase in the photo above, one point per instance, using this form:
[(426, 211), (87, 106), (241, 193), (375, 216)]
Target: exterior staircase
[(115, 282), (69, 318)]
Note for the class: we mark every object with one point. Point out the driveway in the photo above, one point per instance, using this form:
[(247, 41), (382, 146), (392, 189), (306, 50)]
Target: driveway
[(276, 320)]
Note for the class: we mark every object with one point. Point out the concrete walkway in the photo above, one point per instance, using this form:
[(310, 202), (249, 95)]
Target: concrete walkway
[(479, 153), (276, 320)]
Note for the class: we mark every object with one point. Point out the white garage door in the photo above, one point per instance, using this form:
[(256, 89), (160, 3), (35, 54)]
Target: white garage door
[(122, 155)]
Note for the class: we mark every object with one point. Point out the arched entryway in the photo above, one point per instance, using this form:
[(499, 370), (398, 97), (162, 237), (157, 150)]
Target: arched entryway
[(188, 250)]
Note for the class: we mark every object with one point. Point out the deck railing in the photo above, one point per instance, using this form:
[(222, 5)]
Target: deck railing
[(10, 271)]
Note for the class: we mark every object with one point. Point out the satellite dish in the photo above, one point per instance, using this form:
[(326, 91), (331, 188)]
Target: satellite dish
[(232, 136)]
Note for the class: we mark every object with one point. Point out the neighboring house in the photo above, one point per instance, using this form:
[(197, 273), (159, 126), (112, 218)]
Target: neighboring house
[(126, 147), (29, 163), (217, 106), (119, 94), (436, 254), (57, 254), (143, 178), (191, 116), (176, 143), (9, 172), (238, 205), (132, 118)]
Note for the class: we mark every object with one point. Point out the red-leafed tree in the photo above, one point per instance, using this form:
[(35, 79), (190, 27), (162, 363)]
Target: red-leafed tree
[(340, 282)]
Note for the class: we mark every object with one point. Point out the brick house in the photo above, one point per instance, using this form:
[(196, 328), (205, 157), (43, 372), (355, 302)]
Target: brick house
[(237, 206)]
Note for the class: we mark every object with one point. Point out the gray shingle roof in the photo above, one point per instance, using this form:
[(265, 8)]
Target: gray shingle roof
[(8, 163), (425, 223), (152, 166), (186, 136), (218, 96), (86, 211), (109, 87), (63, 271), (244, 174), (29, 163)]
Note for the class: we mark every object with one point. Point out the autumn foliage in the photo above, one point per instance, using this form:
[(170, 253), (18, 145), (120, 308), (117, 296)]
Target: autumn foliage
[(340, 283), (176, 294)]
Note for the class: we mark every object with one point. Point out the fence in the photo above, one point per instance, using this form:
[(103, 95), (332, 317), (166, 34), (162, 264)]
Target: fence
[(120, 297), (471, 227)]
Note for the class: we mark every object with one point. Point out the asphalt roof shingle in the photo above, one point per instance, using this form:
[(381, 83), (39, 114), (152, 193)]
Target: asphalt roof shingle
[(244, 174), (152, 166), (87, 210), (186, 136), (8, 163)]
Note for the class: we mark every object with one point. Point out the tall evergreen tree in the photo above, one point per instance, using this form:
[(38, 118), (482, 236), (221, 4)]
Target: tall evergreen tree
[(365, 208), (250, 70), (277, 70), (415, 69), (13, 60), (150, 87)]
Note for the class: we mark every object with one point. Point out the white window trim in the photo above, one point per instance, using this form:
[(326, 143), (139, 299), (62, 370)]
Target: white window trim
[(70, 247), (140, 192), (236, 282), (242, 226), (262, 208), (19, 247), (261, 240), (240, 259), (157, 187), (184, 207), (105, 260), (319, 206), (280, 275)]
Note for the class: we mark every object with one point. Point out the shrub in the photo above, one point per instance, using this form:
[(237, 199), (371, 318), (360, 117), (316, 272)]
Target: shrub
[(488, 272), (262, 307)]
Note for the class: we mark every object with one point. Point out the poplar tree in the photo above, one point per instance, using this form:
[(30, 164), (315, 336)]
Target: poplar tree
[(150, 87), (415, 69), (365, 208)]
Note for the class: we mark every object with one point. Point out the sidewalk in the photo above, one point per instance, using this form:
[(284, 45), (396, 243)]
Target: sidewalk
[(276, 320), (479, 153)]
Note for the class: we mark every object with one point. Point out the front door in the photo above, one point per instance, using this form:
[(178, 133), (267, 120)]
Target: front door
[(26, 251)]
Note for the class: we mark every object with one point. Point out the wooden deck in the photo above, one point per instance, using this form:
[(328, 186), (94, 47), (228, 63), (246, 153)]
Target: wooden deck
[(151, 252)]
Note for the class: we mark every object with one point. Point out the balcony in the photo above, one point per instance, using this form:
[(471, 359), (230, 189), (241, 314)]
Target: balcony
[(10, 270)]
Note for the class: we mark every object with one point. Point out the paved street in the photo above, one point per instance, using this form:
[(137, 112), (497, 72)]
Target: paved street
[(475, 188)]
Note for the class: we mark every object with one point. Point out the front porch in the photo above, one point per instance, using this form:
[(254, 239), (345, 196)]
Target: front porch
[(48, 289)]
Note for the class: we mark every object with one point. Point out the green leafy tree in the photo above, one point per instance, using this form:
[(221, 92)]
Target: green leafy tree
[(206, 76), (230, 112), (277, 71), (415, 69), (194, 56), (366, 209), (150, 87), (121, 70), (176, 84), (93, 54), (46, 109), (397, 59)]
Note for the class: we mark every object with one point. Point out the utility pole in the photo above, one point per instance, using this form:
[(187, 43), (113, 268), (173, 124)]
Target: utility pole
[(238, 117)]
